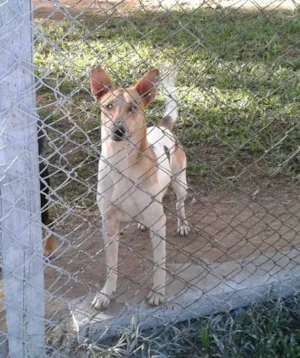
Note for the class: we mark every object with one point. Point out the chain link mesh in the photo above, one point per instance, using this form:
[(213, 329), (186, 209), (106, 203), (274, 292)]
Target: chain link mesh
[(236, 66)]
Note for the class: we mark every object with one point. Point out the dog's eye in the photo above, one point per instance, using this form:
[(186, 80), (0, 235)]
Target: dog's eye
[(108, 106), (132, 108)]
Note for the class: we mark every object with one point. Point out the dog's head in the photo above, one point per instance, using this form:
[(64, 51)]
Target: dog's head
[(122, 109)]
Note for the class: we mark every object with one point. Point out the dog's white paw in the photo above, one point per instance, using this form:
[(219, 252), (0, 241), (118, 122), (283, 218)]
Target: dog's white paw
[(141, 227), (100, 301), (156, 298), (183, 229)]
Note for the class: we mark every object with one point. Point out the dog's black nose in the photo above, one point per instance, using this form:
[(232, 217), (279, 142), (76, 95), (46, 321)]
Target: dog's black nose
[(118, 133)]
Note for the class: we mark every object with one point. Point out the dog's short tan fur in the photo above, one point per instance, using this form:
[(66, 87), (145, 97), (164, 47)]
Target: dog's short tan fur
[(135, 170)]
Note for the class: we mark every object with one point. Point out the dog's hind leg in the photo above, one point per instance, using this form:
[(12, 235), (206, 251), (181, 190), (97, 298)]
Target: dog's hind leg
[(179, 184)]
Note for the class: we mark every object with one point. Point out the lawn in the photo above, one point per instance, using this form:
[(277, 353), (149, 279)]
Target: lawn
[(238, 88)]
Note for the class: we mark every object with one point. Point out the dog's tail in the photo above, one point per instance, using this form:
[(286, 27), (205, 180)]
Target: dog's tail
[(171, 110)]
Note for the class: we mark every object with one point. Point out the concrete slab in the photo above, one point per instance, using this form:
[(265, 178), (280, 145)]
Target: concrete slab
[(193, 291)]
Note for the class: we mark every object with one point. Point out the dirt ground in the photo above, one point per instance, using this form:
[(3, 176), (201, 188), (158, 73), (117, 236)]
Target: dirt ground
[(46, 9), (225, 227)]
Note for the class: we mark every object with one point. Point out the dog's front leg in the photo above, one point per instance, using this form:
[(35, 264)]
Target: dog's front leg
[(158, 239), (111, 229)]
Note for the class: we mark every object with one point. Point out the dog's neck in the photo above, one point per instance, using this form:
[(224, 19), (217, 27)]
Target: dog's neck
[(135, 153)]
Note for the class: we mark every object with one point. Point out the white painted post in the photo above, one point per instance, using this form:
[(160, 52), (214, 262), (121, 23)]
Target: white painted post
[(20, 222)]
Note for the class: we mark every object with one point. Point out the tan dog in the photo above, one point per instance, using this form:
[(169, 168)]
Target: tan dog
[(137, 165)]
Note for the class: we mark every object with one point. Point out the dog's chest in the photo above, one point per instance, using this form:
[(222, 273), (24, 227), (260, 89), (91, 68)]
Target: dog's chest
[(120, 189), (113, 179)]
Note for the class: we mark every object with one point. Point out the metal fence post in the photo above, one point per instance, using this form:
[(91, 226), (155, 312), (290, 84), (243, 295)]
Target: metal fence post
[(21, 230)]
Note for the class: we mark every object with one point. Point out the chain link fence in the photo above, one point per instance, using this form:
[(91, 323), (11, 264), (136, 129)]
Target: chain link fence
[(235, 67)]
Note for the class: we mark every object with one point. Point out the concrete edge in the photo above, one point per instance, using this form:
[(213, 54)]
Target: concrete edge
[(227, 295)]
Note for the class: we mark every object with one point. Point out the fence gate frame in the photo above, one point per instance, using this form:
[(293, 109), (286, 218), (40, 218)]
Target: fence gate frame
[(20, 218)]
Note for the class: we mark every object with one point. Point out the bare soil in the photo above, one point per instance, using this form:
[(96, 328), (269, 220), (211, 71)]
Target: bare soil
[(225, 226), (47, 9)]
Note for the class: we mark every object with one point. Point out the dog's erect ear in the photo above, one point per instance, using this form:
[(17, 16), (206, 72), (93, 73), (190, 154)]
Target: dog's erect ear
[(147, 86), (100, 82)]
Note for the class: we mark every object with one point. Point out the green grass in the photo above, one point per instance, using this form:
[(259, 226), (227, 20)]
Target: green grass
[(266, 330), (238, 85)]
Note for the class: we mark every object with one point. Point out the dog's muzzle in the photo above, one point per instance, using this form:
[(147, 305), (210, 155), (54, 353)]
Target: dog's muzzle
[(118, 133)]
